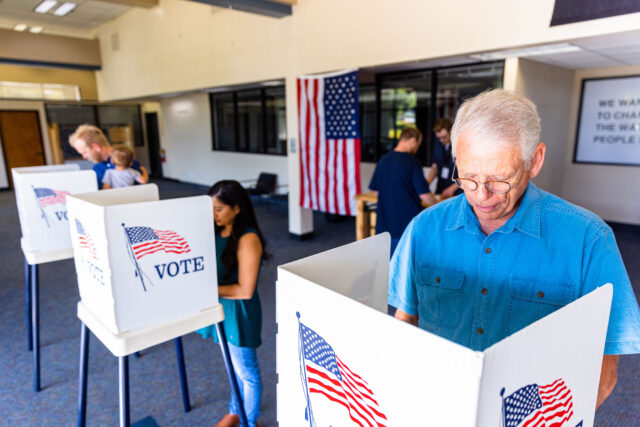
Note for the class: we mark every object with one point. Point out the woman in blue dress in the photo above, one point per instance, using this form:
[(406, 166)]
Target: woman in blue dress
[(239, 252)]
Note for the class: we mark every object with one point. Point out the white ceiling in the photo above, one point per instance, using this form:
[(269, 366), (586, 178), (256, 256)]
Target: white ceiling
[(602, 51), (609, 50), (87, 15)]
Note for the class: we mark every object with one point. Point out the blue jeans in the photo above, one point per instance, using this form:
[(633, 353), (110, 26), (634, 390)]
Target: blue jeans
[(245, 365)]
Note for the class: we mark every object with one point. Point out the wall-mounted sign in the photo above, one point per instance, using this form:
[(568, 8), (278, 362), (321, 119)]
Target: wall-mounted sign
[(609, 122)]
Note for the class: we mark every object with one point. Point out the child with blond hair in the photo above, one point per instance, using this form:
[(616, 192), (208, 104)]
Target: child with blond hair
[(122, 175)]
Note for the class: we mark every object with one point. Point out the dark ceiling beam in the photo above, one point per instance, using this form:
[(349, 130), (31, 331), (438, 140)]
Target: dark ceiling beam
[(135, 3), (261, 7)]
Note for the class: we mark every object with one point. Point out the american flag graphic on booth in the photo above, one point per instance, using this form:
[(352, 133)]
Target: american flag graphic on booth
[(329, 122), (145, 241), (327, 375), (86, 242), (537, 406), (47, 196)]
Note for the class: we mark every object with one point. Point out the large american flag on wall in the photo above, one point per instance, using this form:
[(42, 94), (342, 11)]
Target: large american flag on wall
[(329, 122)]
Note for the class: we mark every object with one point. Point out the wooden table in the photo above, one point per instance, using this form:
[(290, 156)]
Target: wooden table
[(366, 213)]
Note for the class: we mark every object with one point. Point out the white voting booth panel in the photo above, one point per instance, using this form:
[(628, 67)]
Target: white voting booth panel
[(338, 350), (41, 198), (142, 262)]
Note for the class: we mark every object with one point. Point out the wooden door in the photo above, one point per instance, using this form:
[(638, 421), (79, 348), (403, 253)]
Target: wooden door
[(21, 140)]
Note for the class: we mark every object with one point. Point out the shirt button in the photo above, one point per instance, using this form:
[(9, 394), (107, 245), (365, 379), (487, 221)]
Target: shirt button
[(484, 291), (438, 279), (480, 331), (540, 294), (488, 250)]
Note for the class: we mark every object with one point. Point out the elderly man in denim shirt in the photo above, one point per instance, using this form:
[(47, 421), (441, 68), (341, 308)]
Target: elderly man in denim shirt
[(481, 266)]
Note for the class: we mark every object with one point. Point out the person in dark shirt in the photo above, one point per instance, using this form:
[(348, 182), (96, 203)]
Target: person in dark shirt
[(91, 143), (401, 187), (442, 167)]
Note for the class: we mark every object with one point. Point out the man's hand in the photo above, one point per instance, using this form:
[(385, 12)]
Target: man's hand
[(428, 199), (608, 377), (406, 317), (433, 172), (449, 191)]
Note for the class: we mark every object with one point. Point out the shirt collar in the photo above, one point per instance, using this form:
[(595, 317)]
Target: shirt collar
[(526, 219)]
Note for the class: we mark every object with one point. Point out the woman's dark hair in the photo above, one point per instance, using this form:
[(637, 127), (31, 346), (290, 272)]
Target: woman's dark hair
[(231, 193)]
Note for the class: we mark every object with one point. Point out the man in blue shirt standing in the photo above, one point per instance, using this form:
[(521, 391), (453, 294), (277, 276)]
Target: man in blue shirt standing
[(91, 143), (401, 187), (479, 267)]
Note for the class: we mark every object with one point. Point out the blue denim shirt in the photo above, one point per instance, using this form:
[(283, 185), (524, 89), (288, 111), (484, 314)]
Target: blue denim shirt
[(475, 289)]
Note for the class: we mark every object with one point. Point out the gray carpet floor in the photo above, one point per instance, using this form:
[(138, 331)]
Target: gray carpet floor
[(155, 389)]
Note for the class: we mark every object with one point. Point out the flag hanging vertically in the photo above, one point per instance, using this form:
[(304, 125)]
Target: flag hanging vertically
[(329, 123)]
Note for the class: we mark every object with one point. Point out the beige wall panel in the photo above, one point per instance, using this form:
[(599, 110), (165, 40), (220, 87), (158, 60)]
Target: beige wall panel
[(48, 48), (85, 79), (183, 45)]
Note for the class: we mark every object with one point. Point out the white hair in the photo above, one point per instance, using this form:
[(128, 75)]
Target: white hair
[(501, 116)]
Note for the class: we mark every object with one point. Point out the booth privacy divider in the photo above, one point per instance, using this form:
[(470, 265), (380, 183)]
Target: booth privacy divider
[(341, 360), (41, 193), (146, 274), (140, 261)]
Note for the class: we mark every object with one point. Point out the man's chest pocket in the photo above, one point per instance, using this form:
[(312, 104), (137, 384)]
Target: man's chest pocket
[(440, 295), (533, 299)]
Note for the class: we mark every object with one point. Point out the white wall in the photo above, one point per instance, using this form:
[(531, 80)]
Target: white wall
[(550, 88), (181, 45), (612, 192), (187, 141), (44, 133)]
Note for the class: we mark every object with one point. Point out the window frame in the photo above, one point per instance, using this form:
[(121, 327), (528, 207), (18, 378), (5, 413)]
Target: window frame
[(215, 144)]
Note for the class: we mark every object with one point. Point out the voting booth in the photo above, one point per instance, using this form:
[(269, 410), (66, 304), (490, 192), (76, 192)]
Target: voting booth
[(41, 198), (341, 360), (140, 261)]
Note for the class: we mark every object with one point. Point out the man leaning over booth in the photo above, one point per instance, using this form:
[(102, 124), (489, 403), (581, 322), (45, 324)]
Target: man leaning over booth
[(91, 143), (479, 267)]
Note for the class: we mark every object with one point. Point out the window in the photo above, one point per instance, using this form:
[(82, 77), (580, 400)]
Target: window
[(250, 121), (403, 99), (112, 119)]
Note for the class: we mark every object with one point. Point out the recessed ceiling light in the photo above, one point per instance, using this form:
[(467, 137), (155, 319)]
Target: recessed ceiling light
[(45, 6), (548, 49), (64, 9), (36, 30), (20, 27)]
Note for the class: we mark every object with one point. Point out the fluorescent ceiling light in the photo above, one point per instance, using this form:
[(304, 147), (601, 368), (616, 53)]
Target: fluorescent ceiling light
[(65, 8), (45, 6), (20, 27), (36, 30), (549, 49)]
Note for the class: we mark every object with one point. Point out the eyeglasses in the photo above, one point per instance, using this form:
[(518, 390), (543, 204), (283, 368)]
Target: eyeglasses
[(496, 187)]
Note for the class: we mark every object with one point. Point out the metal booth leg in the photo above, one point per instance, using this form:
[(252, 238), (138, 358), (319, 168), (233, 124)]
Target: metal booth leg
[(222, 339), (27, 288), (35, 319), (82, 385), (183, 375), (123, 379)]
